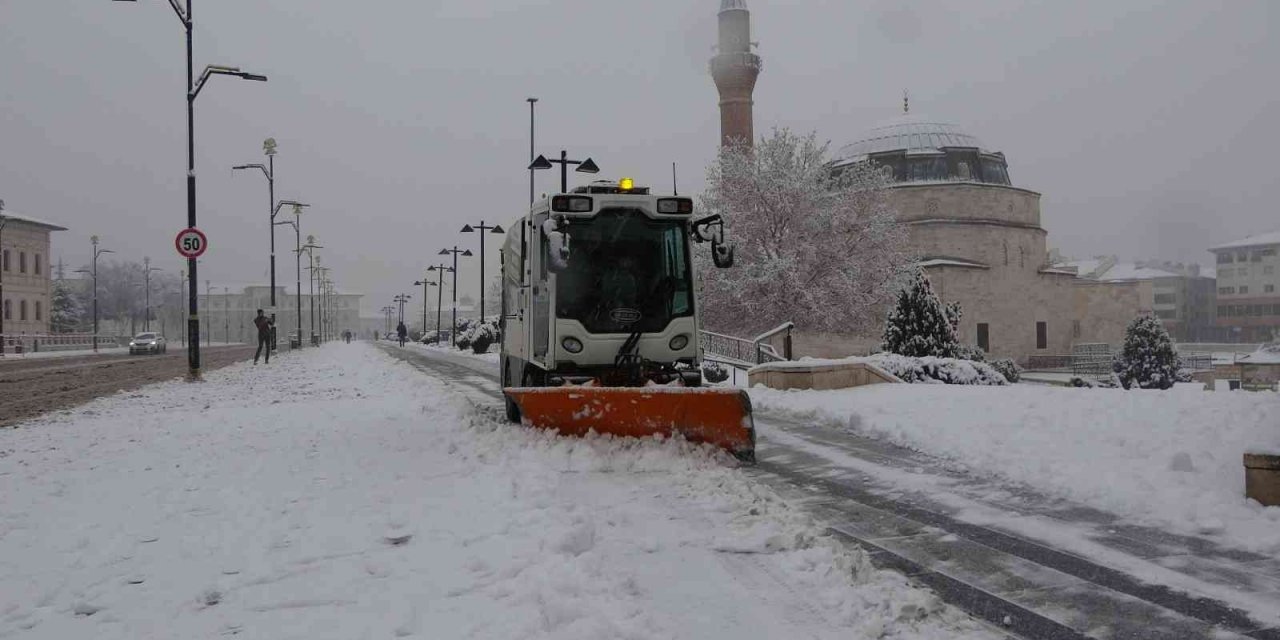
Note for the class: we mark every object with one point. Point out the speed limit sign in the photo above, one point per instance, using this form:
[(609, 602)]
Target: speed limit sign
[(191, 243)]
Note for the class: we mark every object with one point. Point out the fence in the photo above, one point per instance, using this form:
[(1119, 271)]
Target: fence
[(36, 343)]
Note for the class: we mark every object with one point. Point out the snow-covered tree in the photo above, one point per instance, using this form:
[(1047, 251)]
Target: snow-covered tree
[(919, 325), (819, 247), (67, 311), (1148, 359)]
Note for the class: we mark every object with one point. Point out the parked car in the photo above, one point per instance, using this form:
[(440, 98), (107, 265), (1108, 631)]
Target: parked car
[(145, 343)]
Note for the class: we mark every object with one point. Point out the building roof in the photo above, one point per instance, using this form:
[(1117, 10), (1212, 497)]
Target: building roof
[(911, 133), (9, 215), (1260, 240), (1110, 270)]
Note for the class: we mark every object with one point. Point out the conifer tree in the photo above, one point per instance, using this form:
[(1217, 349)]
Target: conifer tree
[(66, 312), (919, 325), (1148, 359)]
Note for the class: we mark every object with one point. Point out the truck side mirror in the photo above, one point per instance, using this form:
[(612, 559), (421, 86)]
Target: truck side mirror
[(721, 255)]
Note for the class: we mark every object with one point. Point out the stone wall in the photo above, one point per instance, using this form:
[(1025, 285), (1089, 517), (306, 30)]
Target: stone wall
[(1104, 310), (966, 201)]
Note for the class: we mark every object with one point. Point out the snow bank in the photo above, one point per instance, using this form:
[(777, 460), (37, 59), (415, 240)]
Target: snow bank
[(337, 493), (926, 370), (1165, 458)]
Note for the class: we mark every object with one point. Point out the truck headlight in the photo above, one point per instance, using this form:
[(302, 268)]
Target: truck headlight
[(572, 345), (679, 342)]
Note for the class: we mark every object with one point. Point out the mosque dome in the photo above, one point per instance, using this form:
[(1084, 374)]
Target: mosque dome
[(923, 149)]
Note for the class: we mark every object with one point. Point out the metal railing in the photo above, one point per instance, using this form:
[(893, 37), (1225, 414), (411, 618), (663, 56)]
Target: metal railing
[(744, 353)]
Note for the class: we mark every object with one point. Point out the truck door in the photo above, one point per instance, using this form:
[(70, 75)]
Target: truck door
[(541, 295)]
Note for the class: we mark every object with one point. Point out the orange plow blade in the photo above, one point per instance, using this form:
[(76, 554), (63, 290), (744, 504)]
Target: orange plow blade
[(721, 417)]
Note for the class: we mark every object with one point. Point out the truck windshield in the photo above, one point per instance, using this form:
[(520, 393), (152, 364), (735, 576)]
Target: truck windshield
[(626, 273)]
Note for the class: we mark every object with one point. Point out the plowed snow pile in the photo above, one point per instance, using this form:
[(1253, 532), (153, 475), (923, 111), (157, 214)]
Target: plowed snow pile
[(340, 494)]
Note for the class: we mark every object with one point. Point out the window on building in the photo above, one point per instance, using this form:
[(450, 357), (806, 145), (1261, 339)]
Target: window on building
[(1075, 329), (22, 262), (22, 310), (1042, 335), (1166, 298), (984, 336), (1268, 253), (1226, 291), (1269, 288), (1242, 256), (1166, 314), (8, 309), (6, 259), (37, 264), (1244, 290), (39, 311), (1224, 311), (1224, 258), (1257, 256)]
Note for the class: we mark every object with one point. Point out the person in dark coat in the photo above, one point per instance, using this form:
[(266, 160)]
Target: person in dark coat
[(402, 332), (263, 323)]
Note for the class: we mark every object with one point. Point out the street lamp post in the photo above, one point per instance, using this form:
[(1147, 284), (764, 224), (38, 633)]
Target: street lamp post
[(296, 223), (269, 170), (182, 285), (208, 306), (321, 273), (194, 87), (146, 272), (481, 229), (424, 283), (584, 166), (453, 337), (96, 252), (532, 102), (440, 271), (386, 311), (226, 315), (310, 247)]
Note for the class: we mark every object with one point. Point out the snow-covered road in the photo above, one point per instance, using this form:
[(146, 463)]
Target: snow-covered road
[(338, 493)]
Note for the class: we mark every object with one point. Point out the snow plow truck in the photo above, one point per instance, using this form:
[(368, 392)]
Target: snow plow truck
[(600, 319)]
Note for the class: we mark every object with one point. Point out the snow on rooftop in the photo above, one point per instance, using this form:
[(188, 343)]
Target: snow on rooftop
[(951, 262), (1266, 354), (1252, 241), (1109, 270), (9, 215)]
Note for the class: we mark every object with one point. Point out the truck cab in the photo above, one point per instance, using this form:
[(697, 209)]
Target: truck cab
[(599, 284)]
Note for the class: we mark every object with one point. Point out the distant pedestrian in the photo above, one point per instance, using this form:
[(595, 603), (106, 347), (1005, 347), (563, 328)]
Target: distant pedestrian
[(347, 336), (263, 323), (402, 332)]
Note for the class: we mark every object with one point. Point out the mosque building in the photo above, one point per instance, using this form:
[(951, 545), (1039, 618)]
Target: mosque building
[(978, 236)]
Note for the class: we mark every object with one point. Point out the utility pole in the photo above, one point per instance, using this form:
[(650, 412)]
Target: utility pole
[(146, 271), (208, 306)]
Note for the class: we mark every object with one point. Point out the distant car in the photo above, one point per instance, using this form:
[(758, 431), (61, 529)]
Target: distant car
[(145, 343)]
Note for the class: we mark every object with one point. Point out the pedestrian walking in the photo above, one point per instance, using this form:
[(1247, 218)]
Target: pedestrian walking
[(402, 332), (263, 323)]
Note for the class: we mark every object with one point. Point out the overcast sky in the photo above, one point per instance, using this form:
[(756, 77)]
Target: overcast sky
[(1150, 127)]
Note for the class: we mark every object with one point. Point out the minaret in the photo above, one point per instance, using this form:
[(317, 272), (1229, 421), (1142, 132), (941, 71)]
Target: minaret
[(735, 69)]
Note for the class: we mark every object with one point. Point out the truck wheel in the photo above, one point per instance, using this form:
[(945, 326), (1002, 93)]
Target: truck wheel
[(513, 410)]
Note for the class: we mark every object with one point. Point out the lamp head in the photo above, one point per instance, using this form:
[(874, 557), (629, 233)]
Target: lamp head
[(588, 166), (269, 146), (540, 164)]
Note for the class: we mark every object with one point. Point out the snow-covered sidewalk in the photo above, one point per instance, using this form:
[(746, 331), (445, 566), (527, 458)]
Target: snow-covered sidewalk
[(338, 493), (1169, 459)]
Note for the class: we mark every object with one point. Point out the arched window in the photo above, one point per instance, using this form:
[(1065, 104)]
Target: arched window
[(6, 259), (22, 310), (39, 311), (1022, 257), (1006, 253), (38, 264), (22, 262), (8, 309)]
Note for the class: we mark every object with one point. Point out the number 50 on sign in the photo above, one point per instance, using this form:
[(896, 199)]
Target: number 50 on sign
[(191, 243)]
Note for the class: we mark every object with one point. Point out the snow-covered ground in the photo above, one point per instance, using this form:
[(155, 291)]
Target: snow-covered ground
[(1170, 459), (490, 357), (338, 493)]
